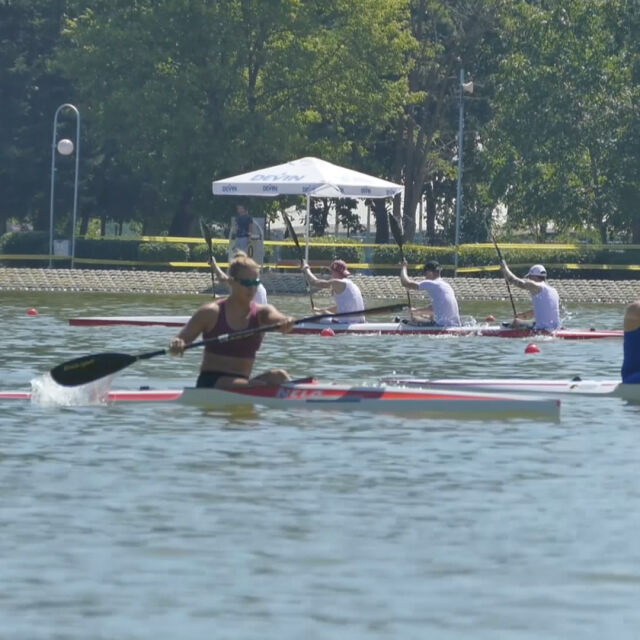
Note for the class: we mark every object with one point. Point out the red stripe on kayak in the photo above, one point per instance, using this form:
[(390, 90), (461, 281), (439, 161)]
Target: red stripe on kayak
[(112, 396), (310, 393), (565, 334), (15, 395), (144, 395)]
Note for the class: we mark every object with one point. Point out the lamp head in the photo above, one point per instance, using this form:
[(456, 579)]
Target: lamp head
[(65, 147)]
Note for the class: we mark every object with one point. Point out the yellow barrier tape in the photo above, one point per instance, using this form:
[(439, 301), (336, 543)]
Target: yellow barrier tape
[(317, 242), (296, 267)]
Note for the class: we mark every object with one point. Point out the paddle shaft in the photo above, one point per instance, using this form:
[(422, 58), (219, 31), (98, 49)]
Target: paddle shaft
[(294, 237), (89, 368), (397, 235), (506, 281), (207, 236), (245, 333)]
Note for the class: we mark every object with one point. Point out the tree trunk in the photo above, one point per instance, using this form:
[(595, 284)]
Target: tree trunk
[(382, 222), (84, 224), (431, 214), (42, 219), (183, 218), (409, 213), (635, 231), (602, 228)]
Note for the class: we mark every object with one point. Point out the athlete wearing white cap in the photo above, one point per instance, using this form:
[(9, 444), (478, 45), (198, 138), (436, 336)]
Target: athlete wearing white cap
[(545, 299)]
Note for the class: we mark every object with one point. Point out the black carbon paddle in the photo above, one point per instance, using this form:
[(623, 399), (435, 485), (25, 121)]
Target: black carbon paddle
[(86, 369), (396, 231), (206, 232), (506, 281), (294, 237)]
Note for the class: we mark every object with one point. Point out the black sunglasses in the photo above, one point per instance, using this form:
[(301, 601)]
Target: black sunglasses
[(248, 282)]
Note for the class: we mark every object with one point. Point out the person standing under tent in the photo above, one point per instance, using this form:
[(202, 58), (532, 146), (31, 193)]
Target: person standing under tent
[(227, 365), (545, 298), (443, 310), (346, 294), (243, 231), (631, 360), (260, 296)]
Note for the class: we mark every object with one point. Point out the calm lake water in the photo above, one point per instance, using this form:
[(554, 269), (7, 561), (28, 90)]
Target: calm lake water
[(164, 522)]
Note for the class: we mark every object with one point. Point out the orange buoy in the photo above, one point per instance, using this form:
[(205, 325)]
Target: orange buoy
[(532, 348), (490, 318), (328, 332), (32, 312)]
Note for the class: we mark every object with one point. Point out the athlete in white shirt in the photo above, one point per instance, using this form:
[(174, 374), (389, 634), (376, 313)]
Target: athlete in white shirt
[(259, 297), (545, 299), (443, 310), (346, 294)]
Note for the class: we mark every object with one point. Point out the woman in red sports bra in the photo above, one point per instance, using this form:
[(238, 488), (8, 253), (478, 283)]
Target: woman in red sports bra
[(229, 364)]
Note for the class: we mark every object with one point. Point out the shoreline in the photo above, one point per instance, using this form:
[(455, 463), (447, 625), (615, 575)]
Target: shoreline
[(382, 287)]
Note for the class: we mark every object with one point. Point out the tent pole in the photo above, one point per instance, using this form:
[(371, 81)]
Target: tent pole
[(306, 232)]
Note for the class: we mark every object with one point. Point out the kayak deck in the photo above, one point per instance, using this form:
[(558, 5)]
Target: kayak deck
[(379, 399), (577, 387), (487, 331), (366, 328)]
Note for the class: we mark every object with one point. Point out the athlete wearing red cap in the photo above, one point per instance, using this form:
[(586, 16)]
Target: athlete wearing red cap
[(346, 294)]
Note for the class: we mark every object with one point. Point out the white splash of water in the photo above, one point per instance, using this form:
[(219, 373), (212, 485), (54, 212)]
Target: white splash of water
[(45, 391)]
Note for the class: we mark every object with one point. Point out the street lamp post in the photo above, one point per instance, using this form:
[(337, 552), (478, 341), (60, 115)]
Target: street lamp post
[(462, 89), (65, 147)]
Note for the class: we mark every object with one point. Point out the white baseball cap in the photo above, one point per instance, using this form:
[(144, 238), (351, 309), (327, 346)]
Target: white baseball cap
[(537, 270)]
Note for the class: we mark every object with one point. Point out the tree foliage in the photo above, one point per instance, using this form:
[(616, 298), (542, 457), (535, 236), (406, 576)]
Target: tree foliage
[(175, 93)]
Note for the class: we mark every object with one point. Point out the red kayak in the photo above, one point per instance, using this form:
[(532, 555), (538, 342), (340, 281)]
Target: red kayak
[(376, 328)]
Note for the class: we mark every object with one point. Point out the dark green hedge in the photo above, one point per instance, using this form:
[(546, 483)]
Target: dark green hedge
[(163, 252), (200, 252), (25, 242), (317, 252), (107, 248), (390, 254), (617, 256), (470, 256), (37, 242)]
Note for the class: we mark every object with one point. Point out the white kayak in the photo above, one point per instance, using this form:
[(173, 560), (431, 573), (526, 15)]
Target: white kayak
[(577, 387), (368, 328), (378, 399)]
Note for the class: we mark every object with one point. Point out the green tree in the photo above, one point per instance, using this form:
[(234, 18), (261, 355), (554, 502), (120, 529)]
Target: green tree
[(450, 35), (560, 107), (183, 91), (30, 93)]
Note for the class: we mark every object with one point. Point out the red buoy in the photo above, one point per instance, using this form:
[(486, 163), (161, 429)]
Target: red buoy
[(32, 312), (490, 318), (532, 348), (328, 332)]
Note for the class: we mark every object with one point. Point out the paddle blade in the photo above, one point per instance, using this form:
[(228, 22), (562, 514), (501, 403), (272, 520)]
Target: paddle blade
[(495, 244), (89, 368), (396, 232), (293, 235), (206, 234)]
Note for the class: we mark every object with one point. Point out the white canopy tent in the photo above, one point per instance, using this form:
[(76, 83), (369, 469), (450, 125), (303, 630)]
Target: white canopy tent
[(310, 177)]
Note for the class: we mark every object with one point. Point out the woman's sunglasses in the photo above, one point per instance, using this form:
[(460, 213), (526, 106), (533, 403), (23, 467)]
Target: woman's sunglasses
[(248, 282)]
